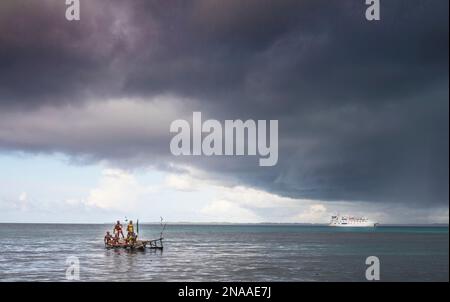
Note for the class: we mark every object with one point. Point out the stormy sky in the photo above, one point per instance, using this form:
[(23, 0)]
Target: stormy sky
[(362, 106)]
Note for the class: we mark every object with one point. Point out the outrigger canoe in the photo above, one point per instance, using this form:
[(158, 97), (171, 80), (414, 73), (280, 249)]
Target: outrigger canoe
[(156, 244)]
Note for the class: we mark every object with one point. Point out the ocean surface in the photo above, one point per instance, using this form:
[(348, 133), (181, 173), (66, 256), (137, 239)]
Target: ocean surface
[(38, 252)]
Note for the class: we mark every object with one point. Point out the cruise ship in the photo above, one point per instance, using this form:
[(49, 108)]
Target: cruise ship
[(351, 221)]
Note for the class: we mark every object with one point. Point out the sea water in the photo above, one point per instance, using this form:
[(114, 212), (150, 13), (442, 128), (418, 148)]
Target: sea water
[(38, 252)]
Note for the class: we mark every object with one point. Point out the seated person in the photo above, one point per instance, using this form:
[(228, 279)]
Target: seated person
[(131, 238), (108, 239), (116, 240)]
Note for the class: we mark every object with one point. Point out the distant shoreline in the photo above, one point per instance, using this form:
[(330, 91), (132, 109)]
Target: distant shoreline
[(227, 224)]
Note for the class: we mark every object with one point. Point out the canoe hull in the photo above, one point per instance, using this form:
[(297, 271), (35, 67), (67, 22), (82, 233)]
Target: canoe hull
[(155, 244)]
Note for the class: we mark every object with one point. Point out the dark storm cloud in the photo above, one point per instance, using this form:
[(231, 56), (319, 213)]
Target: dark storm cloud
[(46, 59), (363, 106)]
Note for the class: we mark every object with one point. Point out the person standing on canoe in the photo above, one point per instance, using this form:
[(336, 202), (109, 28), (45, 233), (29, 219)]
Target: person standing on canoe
[(118, 229), (131, 237), (130, 228)]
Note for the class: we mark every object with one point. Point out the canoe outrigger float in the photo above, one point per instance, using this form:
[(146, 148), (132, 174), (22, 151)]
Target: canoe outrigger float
[(155, 244)]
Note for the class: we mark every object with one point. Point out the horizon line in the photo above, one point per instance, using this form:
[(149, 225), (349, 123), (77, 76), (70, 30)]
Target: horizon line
[(225, 223)]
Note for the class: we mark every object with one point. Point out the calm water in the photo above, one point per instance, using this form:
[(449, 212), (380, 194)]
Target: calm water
[(226, 253)]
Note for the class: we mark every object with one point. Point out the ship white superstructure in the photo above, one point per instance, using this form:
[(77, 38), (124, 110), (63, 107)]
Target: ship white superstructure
[(351, 221)]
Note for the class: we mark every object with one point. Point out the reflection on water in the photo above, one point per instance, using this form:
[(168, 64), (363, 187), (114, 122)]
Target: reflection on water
[(225, 253)]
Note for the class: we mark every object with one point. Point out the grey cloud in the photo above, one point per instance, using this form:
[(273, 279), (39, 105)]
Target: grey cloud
[(363, 107)]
